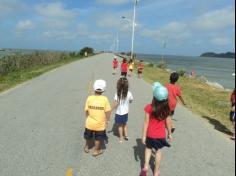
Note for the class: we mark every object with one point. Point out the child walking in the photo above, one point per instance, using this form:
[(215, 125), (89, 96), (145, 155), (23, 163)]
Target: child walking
[(98, 112), (124, 68), (131, 67), (174, 91), (140, 69), (115, 65), (232, 112), (122, 98), (157, 120)]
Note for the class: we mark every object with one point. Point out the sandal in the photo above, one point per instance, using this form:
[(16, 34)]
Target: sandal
[(86, 150), (126, 138), (143, 173), (97, 154)]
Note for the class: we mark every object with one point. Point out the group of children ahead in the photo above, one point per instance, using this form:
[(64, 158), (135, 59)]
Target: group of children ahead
[(127, 67), (157, 128)]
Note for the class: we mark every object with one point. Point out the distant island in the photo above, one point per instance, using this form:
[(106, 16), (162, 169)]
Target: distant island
[(221, 55)]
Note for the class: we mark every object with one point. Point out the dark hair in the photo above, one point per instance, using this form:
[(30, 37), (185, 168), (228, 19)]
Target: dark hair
[(122, 88), (160, 109), (98, 92), (174, 77), (124, 60)]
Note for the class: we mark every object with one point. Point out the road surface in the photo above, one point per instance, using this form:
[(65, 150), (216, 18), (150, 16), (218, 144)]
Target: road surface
[(42, 125)]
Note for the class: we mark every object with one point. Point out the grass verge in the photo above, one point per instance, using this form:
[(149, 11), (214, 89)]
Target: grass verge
[(211, 103), (14, 78)]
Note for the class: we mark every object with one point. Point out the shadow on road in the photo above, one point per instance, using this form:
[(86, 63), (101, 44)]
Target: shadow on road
[(139, 152), (218, 125), (114, 130)]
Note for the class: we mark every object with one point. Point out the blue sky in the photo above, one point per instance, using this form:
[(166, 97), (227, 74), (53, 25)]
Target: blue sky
[(188, 27)]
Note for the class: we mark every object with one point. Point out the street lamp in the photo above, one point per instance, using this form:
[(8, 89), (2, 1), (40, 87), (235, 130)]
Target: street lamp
[(133, 27)]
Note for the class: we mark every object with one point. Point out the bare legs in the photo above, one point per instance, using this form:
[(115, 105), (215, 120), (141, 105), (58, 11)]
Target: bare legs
[(97, 148), (158, 163), (158, 156), (123, 132)]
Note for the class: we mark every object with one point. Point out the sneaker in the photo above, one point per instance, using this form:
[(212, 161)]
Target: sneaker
[(143, 173)]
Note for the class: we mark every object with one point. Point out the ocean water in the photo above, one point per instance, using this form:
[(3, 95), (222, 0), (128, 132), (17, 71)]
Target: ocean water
[(217, 70)]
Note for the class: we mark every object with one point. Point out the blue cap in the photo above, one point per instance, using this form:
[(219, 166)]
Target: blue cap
[(155, 85), (160, 93)]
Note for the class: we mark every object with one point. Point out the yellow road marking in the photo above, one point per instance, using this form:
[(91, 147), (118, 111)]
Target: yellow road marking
[(69, 172)]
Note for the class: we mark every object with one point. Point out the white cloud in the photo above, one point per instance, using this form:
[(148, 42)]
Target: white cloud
[(171, 31), (221, 41), (55, 15), (24, 25), (108, 20), (11, 6), (55, 10), (113, 2), (59, 35), (216, 20), (83, 29)]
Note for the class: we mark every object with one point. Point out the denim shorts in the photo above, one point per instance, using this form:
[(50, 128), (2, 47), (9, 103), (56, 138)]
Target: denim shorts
[(121, 119)]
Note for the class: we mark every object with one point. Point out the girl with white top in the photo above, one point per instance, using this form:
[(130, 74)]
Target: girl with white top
[(122, 98)]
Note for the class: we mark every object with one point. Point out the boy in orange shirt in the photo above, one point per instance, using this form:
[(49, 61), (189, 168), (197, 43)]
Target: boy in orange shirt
[(174, 93), (98, 111)]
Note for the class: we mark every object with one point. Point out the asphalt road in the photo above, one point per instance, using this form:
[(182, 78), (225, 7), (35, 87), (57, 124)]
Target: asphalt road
[(42, 125)]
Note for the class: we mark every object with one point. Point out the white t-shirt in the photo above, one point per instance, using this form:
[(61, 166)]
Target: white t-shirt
[(123, 107)]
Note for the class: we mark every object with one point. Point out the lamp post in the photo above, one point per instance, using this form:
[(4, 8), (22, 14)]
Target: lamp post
[(133, 33), (133, 27)]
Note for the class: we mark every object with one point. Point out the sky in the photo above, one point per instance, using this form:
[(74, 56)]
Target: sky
[(175, 27)]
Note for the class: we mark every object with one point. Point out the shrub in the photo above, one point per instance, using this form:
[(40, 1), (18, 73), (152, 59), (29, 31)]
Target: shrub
[(21, 62), (181, 72), (86, 49), (150, 65), (162, 65)]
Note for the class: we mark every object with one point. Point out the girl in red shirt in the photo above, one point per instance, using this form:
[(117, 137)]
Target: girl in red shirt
[(232, 113), (157, 120), (115, 65), (124, 68)]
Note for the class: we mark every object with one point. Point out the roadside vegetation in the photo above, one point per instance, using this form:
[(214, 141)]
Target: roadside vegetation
[(211, 103), (19, 68)]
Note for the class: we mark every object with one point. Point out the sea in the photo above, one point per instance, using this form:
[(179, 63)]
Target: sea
[(218, 71)]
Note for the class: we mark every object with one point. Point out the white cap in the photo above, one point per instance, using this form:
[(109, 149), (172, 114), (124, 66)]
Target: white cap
[(99, 85)]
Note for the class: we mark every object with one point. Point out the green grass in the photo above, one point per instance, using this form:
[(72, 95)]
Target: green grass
[(14, 78), (210, 103)]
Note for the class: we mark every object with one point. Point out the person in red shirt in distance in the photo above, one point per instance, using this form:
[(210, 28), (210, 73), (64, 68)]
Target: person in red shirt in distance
[(232, 113), (174, 93), (157, 120), (115, 65), (140, 69), (124, 68)]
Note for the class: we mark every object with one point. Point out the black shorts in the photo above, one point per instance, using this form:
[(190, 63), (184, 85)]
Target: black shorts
[(97, 135), (172, 113), (124, 74), (156, 143), (140, 71), (131, 70), (232, 116)]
